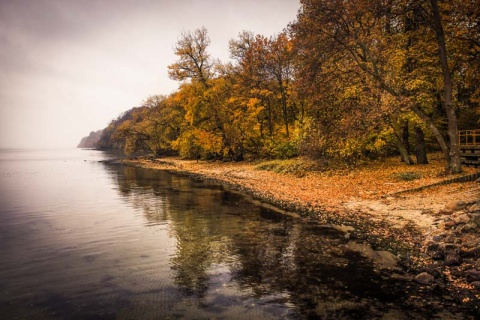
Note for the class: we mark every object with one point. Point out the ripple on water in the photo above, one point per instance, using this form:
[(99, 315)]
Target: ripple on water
[(82, 239)]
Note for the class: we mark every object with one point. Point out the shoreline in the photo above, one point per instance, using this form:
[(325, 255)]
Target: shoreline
[(434, 233), (406, 204)]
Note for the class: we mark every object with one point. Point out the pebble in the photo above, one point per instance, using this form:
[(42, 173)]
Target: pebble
[(463, 218), (435, 251), (476, 219), (452, 255), (470, 227), (455, 206), (473, 275), (424, 278), (475, 208)]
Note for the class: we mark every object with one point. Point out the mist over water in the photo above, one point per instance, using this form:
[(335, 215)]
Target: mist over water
[(88, 239)]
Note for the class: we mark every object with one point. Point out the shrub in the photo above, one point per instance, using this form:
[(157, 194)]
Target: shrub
[(285, 149)]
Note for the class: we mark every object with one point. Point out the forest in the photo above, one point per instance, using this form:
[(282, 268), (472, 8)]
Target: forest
[(346, 80)]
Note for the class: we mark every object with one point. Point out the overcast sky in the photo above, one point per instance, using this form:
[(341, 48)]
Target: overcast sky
[(68, 67)]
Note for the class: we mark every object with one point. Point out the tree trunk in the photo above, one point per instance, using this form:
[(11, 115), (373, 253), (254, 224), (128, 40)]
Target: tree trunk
[(285, 116), (401, 148), (436, 133), (454, 166), (405, 137), (270, 116), (403, 153), (420, 148)]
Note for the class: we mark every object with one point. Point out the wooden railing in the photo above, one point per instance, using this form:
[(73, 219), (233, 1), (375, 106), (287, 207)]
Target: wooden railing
[(469, 137)]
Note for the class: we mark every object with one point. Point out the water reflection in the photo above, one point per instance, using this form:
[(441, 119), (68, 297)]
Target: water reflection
[(231, 253), (89, 240)]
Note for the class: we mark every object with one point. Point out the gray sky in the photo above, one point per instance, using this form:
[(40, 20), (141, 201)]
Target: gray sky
[(68, 67)]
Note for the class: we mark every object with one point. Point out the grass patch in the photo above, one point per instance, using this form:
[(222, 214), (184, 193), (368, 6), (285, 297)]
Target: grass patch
[(408, 176), (297, 166)]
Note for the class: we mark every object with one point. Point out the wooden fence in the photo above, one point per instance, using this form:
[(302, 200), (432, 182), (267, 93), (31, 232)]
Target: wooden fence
[(469, 141), (469, 137)]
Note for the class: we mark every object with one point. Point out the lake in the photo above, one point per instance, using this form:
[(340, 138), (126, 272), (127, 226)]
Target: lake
[(87, 239)]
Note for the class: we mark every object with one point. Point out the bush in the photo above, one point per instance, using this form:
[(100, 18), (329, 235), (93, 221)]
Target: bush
[(187, 146), (285, 149)]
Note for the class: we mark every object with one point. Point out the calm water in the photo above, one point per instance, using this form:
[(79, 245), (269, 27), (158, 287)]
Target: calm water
[(83, 239)]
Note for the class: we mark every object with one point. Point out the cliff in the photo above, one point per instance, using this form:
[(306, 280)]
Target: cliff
[(91, 140)]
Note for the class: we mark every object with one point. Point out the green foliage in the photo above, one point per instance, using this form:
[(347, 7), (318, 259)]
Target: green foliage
[(187, 146), (149, 128), (408, 176), (283, 149), (298, 166)]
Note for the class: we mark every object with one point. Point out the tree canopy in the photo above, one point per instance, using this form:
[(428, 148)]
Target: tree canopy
[(345, 80)]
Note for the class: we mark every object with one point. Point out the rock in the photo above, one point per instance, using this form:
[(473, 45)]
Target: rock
[(463, 218), (455, 206), (343, 228), (424, 278), (476, 219), (441, 226), (471, 253), (449, 239), (456, 214), (382, 259), (475, 208), (477, 264), (457, 273), (452, 255), (476, 284), (439, 237), (449, 224), (428, 211), (470, 227), (435, 251), (473, 275)]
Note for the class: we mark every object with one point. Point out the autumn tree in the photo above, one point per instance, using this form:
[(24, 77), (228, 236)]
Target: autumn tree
[(111, 139), (249, 53), (195, 65), (345, 61), (194, 61), (263, 70), (160, 125), (279, 65), (348, 79), (448, 103), (371, 40), (217, 123), (152, 128), (465, 17), (448, 33)]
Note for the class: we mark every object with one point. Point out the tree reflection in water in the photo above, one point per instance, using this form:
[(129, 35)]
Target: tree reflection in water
[(268, 258)]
